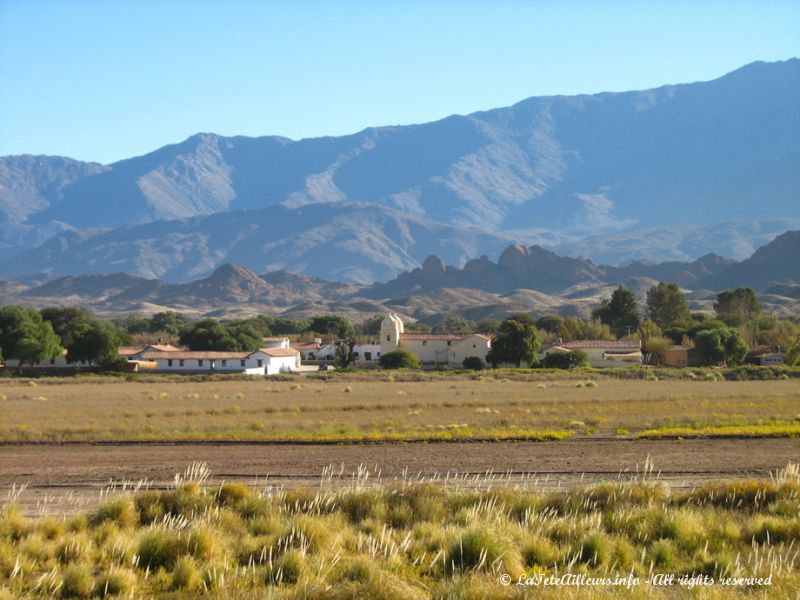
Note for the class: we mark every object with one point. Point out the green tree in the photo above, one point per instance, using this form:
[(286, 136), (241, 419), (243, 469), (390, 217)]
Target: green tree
[(515, 342), (334, 325), (97, 344), (370, 327), (399, 359), (248, 335), (721, 346), (69, 323), (655, 348), (26, 336), (550, 323), (488, 326), (455, 324), (168, 321), (209, 334), (620, 312), (666, 305), (793, 354), (345, 353), (737, 307)]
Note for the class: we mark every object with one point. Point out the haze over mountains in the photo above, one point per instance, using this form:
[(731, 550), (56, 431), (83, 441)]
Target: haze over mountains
[(527, 279), (670, 173)]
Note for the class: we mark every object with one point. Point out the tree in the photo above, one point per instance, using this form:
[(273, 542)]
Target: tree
[(793, 354), (26, 336), (488, 326), (334, 325), (399, 359), (566, 360), (209, 334), (248, 335), (738, 306), (655, 348), (721, 346), (473, 363), (516, 342), (168, 321), (345, 353), (68, 323), (620, 312), (454, 324), (666, 305), (370, 327), (549, 323), (98, 343)]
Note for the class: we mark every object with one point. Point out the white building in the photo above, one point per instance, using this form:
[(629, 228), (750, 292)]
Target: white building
[(433, 348), (265, 361), (601, 353), (58, 362)]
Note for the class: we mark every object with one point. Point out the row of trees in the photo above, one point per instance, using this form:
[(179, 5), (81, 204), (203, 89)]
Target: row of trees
[(30, 335)]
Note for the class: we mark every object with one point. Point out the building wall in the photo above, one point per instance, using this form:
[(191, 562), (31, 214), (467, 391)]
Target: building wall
[(474, 345), (280, 364), (60, 362)]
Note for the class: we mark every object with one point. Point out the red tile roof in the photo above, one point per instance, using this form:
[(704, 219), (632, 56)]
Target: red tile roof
[(432, 336), (278, 351)]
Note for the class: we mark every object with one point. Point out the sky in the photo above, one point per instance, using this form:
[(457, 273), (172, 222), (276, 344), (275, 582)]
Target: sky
[(102, 81)]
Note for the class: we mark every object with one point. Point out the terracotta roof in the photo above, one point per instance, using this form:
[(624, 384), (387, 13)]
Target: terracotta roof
[(306, 346), (432, 336), (279, 351), (576, 344), (274, 339), (168, 348), (129, 350), (195, 355)]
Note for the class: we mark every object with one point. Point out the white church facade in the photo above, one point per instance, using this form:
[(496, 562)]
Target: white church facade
[(447, 349)]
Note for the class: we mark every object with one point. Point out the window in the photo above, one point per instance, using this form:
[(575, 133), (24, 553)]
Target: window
[(224, 363), (169, 362), (243, 362), (53, 361), (449, 342), (180, 362), (424, 342), (474, 346), (367, 355), (388, 338), (260, 362), (199, 363)]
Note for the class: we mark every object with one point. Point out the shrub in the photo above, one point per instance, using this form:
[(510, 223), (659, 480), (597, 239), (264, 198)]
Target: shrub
[(566, 360), (473, 363), (233, 494), (186, 576), (480, 549), (539, 552), (117, 582), (77, 582), (289, 568), (595, 549), (121, 511), (159, 549), (399, 359)]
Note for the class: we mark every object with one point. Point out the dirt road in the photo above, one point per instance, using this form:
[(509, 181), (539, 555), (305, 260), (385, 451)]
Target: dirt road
[(64, 478)]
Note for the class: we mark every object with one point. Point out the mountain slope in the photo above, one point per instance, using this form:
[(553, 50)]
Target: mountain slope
[(341, 241), (559, 168)]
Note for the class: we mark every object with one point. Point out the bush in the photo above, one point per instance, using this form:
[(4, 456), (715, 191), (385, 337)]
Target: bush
[(400, 359), (118, 582), (186, 575), (159, 549), (473, 363), (121, 511), (77, 582), (566, 360)]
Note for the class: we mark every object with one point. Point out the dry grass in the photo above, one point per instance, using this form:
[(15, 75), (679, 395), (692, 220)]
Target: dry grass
[(441, 408), (408, 540)]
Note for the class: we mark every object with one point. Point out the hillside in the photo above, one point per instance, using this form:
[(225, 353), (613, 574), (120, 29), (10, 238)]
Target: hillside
[(548, 170)]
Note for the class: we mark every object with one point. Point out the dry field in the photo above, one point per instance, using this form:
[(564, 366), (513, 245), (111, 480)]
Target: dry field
[(306, 409)]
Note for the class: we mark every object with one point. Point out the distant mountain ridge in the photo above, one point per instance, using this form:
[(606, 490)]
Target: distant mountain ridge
[(548, 170), (527, 279)]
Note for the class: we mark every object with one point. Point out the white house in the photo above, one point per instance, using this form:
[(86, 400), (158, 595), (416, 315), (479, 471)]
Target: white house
[(265, 361), (276, 342), (58, 362), (433, 348), (601, 353)]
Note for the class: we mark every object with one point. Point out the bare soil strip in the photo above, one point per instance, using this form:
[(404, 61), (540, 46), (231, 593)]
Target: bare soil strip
[(64, 478)]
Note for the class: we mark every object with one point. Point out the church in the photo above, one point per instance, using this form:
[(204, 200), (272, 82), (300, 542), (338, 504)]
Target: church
[(442, 349)]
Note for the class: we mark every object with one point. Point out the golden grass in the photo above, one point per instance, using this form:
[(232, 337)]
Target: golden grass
[(409, 540), (768, 430), (375, 408)]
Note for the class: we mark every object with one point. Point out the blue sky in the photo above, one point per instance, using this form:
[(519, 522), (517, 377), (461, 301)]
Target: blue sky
[(103, 81)]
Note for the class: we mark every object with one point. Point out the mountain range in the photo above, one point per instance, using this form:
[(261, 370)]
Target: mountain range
[(670, 173), (524, 279)]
